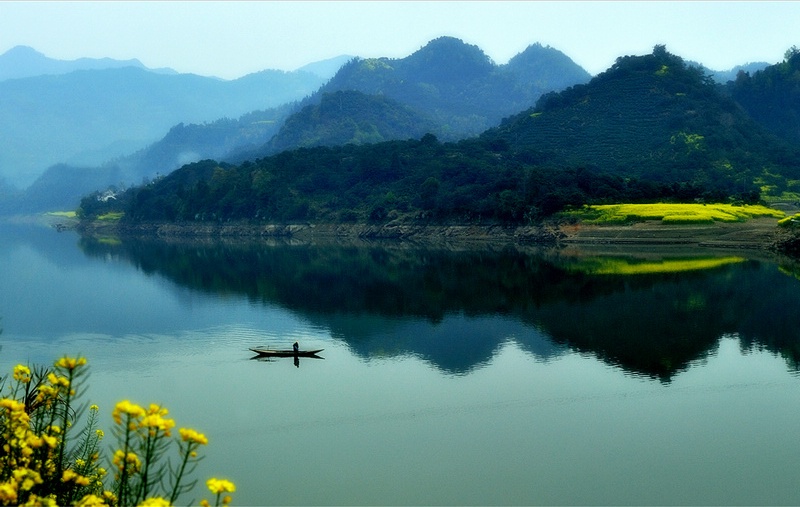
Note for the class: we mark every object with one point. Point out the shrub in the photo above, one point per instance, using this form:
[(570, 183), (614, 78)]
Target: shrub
[(46, 460)]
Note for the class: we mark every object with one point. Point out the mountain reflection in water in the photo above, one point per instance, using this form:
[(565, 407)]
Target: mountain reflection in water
[(456, 308)]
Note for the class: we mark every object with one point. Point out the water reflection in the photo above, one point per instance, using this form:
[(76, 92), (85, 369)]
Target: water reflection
[(457, 308)]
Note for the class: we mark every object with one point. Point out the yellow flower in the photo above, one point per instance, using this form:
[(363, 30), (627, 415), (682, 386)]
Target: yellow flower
[(154, 421), (126, 407), (8, 493), (12, 405), (155, 409), (218, 486), (41, 501), (90, 501), (99, 434), (94, 408), (70, 363), (57, 381), (190, 435), (154, 502), (132, 460), (70, 475), (22, 373), (46, 395), (26, 479)]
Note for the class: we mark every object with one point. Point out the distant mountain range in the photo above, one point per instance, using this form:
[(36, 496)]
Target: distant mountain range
[(23, 61), (91, 115), (650, 128), (447, 87), (96, 122)]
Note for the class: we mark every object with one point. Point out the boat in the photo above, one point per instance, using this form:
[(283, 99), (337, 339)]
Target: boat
[(285, 352)]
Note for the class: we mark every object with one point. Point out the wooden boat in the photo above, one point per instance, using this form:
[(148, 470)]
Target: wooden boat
[(285, 353)]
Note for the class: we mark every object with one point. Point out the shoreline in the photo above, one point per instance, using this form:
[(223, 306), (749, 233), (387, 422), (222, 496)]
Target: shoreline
[(753, 234)]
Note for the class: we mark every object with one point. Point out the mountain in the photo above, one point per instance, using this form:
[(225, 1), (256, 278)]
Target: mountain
[(326, 69), (457, 85), (23, 61), (652, 117), (650, 128), (349, 117), (723, 76), (469, 93), (771, 96), (87, 117), (450, 88), (63, 185)]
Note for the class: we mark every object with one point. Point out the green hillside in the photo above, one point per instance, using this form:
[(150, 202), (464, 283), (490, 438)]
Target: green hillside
[(772, 96), (349, 117), (456, 85), (655, 118)]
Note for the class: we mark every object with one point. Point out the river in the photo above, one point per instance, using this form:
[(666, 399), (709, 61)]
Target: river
[(449, 375)]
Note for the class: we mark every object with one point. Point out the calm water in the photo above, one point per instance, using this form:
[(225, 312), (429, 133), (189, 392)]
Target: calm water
[(449, 377)]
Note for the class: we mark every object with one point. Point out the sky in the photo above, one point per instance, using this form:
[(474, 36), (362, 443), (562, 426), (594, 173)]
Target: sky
[(231, 39)]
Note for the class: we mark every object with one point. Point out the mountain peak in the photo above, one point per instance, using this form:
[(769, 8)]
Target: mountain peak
[(449, 59), (24, 61), (24, 51), (547, 67)]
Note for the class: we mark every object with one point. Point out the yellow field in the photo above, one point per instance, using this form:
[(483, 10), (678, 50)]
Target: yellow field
[(112, 216), (65, 214), (672, 213), (790, 221), (621, 266)]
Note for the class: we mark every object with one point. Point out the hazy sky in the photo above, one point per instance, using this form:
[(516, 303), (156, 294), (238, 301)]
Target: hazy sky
[(230, 39)]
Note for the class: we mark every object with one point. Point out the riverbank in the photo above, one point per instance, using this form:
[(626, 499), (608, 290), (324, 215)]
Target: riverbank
[(539, 234), (757, 233)]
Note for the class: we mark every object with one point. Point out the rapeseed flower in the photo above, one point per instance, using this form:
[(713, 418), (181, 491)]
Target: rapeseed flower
[(70, 475), (38, 468), (126, 407), (154, 420), (70, 363), (56, 380), (8, 492), (26, 479), (22, 373), (91, 501), (155, 502), (192, 436), (130, 461), (218, 486)]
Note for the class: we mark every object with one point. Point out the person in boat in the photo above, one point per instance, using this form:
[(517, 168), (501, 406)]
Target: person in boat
[(296, 348)]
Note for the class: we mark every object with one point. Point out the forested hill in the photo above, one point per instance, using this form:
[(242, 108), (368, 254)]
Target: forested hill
[(350, 117), (457, 85), (772, 96), (652, 117), (447, 88), (651, 128)]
